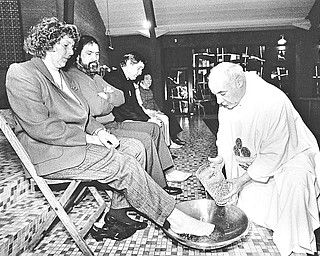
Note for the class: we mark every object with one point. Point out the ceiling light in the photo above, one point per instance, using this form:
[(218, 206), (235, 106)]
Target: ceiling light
[(282, 41)]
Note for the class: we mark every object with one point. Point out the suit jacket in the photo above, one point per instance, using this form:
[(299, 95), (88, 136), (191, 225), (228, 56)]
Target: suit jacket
[(51, 125), (130, 110), (100, 108)]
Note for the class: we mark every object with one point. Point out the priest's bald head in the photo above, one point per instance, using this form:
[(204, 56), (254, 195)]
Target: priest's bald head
[(227, 81)]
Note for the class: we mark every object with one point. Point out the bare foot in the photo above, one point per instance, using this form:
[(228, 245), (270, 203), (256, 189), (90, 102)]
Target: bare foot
[(182, 223), (215, 236)]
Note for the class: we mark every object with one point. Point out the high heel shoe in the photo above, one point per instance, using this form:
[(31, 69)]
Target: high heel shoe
[(114, 232)]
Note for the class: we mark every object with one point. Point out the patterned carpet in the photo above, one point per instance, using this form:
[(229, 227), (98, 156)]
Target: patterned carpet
[(152, 240)]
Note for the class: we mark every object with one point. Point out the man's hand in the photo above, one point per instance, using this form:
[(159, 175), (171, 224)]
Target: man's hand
[(156, 121), (108, 89), (93, 139), (215, 160), (108, 139), (237, 185), (106, 93), (103, 95)]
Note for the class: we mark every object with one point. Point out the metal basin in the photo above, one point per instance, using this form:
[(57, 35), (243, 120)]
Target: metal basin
[(232, 219)]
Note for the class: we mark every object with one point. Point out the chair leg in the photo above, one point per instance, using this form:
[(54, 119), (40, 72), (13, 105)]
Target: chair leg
[(52, 215), (81, 195), (94, 217), (63, 216), (45, 189), (64, 200)]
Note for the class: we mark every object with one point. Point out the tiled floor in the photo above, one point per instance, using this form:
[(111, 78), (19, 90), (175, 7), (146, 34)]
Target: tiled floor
[(152, 240)]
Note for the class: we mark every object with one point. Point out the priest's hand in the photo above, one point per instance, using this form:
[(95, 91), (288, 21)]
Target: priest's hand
[(216, 160), (156, 121), (236, 185)]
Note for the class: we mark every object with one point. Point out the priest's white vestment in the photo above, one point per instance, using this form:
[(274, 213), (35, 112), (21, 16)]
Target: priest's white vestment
[(285, 171)]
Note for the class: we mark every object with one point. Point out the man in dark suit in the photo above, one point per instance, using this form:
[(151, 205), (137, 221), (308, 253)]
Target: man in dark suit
[(131, 66)]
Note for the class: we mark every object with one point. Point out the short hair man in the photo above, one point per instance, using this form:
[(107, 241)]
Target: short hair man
[(130, 67), (271, 157)]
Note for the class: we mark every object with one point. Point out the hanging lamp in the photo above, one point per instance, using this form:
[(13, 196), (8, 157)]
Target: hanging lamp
[(108, 28)]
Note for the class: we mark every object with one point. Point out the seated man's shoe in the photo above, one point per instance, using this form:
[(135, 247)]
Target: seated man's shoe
[(174, 146), (179, 141), (137, 225), (173, 190), (177, 176), (114, 232)]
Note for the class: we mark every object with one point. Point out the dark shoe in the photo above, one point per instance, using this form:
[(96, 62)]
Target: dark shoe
[(179, 141), (114, 232), (173, 190), (137, 225), (173, 156)]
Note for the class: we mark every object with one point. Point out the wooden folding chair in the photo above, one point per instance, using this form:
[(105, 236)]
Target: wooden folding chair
[(70, 195)]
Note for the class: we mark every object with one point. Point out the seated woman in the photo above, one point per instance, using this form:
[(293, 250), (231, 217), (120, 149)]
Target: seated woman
[(146, 99), (53, 118)]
